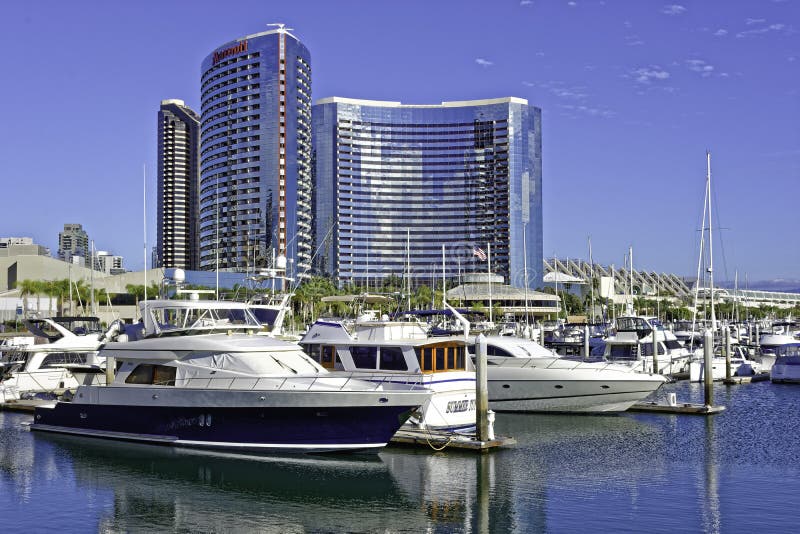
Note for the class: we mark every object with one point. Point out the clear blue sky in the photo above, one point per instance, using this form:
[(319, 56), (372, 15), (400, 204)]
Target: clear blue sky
[(632, 92)]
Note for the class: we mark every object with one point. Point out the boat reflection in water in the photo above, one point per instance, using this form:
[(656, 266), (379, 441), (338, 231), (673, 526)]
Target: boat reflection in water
[(157, 487), (630, 472), (548, 483)]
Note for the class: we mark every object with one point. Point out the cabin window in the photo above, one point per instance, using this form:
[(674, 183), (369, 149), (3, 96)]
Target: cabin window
[(623, 352), (158, 375), (364, 357), (491, 350), (425, 359), (460, 358), (440, 361), (142, 374), (60, 358), (647, 349), (441, 358), (674, 344), (392, 359)]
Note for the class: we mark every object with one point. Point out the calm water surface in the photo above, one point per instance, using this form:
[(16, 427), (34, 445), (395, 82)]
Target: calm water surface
[(734, 472)]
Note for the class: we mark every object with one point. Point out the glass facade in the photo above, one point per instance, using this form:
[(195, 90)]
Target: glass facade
[(395, 183), (178, 180), (255, 152)]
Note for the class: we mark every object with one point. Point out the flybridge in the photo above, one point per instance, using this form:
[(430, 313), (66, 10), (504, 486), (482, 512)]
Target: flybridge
[(228, 52)]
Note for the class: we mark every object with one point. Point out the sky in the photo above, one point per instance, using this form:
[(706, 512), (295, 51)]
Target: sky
[(632, 92)]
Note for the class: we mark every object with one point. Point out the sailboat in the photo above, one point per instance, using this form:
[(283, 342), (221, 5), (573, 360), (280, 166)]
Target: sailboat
[(739, 363)]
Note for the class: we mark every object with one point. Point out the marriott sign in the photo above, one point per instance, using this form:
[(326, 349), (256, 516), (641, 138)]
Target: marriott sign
[(228, 52)]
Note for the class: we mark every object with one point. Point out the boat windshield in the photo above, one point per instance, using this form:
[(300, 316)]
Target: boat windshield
[(788, 350), (206, 318)]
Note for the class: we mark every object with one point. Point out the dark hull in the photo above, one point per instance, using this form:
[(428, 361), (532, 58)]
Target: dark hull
[(286, 429)]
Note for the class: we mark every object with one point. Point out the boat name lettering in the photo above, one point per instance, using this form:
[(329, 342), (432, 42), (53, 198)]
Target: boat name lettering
[(461, 406), (232, 51)]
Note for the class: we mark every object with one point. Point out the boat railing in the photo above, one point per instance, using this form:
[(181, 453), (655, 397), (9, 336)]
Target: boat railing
[(340, 381), (559, 363)]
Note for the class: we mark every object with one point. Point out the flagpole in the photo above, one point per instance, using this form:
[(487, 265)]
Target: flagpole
[(525, 267), (489, 267), (444, 280)]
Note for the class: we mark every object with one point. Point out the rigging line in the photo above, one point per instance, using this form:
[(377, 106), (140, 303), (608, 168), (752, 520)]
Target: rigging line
[(316, 252), (719, 236)]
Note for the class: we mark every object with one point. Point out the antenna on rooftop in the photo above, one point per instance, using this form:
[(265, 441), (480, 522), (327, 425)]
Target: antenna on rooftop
[(281, 27)]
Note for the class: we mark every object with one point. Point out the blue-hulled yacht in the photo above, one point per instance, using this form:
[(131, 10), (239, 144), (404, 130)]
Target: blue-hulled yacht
[(201, 377)]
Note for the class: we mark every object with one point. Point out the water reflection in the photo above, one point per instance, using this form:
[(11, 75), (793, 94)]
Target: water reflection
[(157, 487), (567, 473), (710, 484)]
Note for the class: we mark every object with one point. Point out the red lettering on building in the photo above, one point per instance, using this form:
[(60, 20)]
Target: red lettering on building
[(228, 52)]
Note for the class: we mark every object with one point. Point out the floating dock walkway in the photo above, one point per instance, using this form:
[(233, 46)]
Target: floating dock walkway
[(439, 440), (677, 408), (758, 377)]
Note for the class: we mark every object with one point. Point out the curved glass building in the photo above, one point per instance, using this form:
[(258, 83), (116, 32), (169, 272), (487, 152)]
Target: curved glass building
[(395, 183), (255, 154)]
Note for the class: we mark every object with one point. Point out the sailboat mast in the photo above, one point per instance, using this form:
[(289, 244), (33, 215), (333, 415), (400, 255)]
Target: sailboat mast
[(590, 317), (630, 273), (710, 243), (144, 225)]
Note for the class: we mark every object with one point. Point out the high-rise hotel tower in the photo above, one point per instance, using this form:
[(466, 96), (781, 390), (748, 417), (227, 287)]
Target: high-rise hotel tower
[(255, 154), (178, 181), (395, 183)]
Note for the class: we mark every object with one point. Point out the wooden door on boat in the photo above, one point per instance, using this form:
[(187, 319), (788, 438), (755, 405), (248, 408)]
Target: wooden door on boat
[(327, 356)]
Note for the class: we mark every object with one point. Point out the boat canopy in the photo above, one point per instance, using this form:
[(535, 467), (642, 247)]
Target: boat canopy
[(162, 317)]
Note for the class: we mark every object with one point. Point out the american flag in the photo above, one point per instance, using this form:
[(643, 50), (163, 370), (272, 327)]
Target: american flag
[(478, 251)]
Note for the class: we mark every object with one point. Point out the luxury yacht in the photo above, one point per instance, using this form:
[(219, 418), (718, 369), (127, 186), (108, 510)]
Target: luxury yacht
[(523, 376), (632, 345), (399, 351), (786, 369), (200, 377), (69, 359), (741, 364), (781, 333)]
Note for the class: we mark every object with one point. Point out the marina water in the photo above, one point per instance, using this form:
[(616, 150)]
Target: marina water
[(635, 472)]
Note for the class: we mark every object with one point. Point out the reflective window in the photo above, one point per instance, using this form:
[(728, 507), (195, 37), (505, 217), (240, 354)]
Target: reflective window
[(364, 357), (392, 359)]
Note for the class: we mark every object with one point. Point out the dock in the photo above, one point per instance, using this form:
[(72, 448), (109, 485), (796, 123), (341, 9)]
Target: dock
[(677, 408), (734, 380), (22, 405), (440, 440)]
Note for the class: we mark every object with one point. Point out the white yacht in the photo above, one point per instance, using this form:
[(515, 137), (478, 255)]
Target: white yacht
[(741, 364), (786, 369), (400, 351), (523, 376), (781, 333), (67, 361), (200, 378), (632, 345)]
